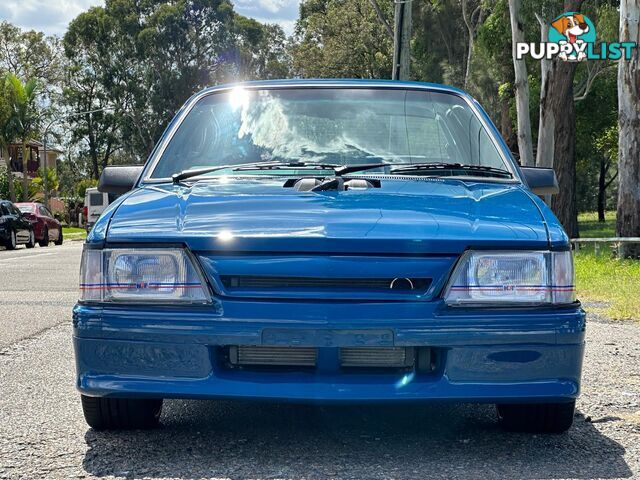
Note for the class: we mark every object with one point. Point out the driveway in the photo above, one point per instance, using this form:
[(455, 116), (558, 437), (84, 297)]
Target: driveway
[(43, 434)]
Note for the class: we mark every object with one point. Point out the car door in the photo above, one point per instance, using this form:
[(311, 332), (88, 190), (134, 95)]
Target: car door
[(7, 219), (22, 225), (52, 223)]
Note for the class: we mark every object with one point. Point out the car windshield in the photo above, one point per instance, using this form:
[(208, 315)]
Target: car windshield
[(342, 126), (25, 208)]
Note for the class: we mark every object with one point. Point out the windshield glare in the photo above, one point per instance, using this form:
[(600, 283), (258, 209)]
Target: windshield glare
[(344, 126)]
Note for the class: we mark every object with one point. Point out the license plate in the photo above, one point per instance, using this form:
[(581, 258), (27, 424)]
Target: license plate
[(327, 338)]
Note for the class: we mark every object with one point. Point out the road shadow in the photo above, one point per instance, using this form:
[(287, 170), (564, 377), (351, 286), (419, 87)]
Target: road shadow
[(202, 439)]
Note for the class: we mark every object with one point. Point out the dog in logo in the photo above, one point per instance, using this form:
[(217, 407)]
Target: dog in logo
[(572, 27)]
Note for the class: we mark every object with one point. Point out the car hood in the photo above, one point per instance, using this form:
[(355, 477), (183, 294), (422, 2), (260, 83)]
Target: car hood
[(409, 216)]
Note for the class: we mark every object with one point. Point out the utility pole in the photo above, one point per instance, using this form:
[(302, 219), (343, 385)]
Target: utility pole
[(402, 40)]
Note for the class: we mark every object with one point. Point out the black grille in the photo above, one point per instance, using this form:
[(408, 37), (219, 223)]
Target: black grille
[(273, 356), (390, 357), (266, 282)]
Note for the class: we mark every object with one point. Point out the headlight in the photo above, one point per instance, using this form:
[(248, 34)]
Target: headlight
[(520, 278), (140, 275)]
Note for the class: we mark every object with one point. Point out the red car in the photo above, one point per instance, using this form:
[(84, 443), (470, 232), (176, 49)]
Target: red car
[(45, 227)]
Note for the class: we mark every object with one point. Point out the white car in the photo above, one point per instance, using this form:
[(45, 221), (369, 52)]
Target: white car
[(94, 204)]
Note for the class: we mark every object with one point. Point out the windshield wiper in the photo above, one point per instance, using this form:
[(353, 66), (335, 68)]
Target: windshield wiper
[(338, 170), (442, 166), (196, 172)]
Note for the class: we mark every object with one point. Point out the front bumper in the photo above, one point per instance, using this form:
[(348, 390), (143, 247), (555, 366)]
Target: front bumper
[(489, 356)]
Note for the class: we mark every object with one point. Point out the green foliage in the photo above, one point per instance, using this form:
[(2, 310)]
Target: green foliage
[(4, 183), (82, 186), (22, 103), (439, 44), (596, 140), (342, 38), (52, 180), (607, 142), (35, 189), (30, 54)]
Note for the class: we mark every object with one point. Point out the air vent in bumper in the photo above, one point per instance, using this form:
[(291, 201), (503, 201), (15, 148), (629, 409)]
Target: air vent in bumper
[(376, 357), (273, 356), (349, 357)]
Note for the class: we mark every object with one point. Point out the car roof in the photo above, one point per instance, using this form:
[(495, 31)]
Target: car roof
[(339, 83)]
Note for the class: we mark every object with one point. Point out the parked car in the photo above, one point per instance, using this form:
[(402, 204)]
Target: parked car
[(329, 241), (45, 226), (94, 204), (15, 229)]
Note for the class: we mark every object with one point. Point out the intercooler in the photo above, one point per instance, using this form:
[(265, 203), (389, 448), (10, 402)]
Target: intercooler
[(276, 356), (349, 357)]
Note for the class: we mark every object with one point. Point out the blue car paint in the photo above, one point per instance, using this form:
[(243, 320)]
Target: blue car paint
[(253, 226)]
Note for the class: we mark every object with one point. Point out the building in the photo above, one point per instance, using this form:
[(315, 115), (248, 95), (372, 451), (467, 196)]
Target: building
[(34, 158)]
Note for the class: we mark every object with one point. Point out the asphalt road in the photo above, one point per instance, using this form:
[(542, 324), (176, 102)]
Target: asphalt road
[(43, 434)]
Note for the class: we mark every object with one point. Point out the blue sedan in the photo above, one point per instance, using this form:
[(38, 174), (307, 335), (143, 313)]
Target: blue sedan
[(329, 241)]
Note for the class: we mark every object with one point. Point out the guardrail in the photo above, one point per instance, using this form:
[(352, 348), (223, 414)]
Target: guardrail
[(615, 242)]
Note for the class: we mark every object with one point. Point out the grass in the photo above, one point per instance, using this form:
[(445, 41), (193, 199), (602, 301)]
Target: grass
[(73, 232), (606, 285), (590, 227)]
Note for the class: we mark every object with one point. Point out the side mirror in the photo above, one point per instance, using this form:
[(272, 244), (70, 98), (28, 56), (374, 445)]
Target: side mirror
[(541, 181), (119, 179)]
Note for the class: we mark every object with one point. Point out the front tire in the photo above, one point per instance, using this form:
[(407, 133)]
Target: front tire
[(121, 413), (537, 417), (60, 239), (45, 238), (32, 240), (11, 241)]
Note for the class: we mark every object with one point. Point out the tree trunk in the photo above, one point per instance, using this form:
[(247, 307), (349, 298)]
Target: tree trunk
[(468, 21), (402, 41), (525, 143), (12, 191), (628, 219), (602, 189), (546, 139), (559, 103), (563, 203), (25, 172)]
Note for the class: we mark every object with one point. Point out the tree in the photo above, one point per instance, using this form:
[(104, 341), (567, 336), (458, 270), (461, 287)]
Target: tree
[(472, 16), (628, 219), (525, 143), (492, 82), (342, 38), (5, 135), (262, 50), (23, 118), (30, 54), (145, 59)]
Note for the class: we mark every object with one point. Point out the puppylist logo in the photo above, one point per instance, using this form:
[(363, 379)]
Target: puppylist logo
[(572, 38)]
